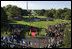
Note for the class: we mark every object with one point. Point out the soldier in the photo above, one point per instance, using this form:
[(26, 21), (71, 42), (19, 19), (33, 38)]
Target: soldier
[(22, 41), (31, 44)]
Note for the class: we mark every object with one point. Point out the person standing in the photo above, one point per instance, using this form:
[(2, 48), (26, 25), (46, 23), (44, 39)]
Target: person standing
[(26, 43), (31, 44), (22, 42)]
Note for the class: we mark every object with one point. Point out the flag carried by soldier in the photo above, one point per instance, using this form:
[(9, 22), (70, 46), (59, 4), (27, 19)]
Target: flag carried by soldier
[(43, 41), (5, 38), (22, 42), (35, 44)]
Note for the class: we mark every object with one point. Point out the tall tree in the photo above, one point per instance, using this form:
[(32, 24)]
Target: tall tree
[(3, 16), (12, 11), (66, 13), (50, 13)]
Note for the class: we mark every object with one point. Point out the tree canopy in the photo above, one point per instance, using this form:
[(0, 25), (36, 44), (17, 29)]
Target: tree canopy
[(14, 11), (3, 16)]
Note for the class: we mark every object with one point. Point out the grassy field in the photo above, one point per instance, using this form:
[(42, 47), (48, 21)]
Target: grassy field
[(35, 16), (39, 24)]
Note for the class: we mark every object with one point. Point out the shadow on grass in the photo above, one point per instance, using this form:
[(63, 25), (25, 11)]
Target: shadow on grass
[(32, 19)]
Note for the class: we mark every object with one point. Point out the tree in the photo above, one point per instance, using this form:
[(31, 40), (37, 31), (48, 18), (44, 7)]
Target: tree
[(53, 12), (60, 12), (33, 12), (46, 14), (40, 12), (49, 14), (67, 37), (29, 12), (3, 16), (57, 14), (66, 14), (12, 11), (23, 12), (37, 12)]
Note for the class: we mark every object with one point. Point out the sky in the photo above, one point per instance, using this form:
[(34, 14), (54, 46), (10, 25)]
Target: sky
[(39, 4)]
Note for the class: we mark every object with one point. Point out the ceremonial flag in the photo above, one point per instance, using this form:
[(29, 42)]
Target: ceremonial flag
[(42, 41), (5, 38), (35, 44), (22, 42)]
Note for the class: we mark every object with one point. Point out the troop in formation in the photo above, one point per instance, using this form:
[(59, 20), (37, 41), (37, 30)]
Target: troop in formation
[(10, 42)]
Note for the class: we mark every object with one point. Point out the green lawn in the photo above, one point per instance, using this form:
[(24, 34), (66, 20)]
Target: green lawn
[(39, 24), (35, 16)]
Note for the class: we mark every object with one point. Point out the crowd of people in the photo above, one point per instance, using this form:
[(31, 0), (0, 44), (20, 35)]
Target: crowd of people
[(56, 32)]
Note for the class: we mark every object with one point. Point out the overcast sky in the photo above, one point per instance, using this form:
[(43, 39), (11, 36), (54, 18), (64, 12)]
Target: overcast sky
[(39, 4)]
